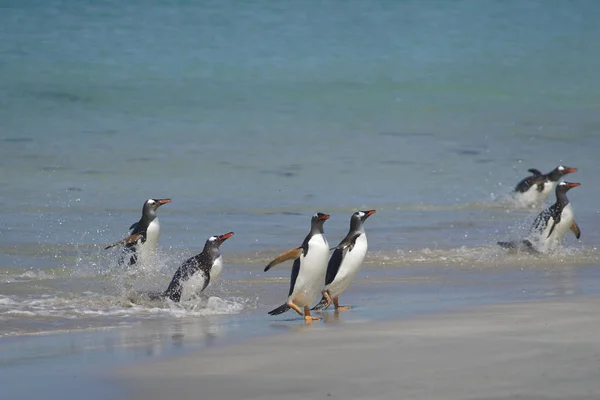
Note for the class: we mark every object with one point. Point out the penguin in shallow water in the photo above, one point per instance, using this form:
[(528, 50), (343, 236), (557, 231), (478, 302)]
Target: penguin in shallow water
[(143, 236), (534, 189), (346, 260), (550, 226), (308, 271), (202, 268)]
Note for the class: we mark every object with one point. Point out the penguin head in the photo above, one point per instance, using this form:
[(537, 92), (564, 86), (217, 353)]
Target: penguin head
[(564, 187), (151, 205), (559, 172), (363, 215), (318, 220), (320, 217), (214, 242), (358, 218), (217, 240)]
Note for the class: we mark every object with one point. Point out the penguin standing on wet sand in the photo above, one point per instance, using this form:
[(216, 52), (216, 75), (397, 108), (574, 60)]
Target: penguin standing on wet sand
[(534, 189), (308, 271), (345, 262), (551, 225), (143, 237), (201, 269)]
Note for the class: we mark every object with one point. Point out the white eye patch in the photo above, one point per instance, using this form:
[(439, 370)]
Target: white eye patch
[(212, 238), (561, 168)]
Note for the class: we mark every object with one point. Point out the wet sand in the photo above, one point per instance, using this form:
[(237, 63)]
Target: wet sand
[(532, 350)]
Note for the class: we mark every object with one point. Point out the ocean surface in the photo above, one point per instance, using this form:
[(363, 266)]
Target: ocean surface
[(252, 116)]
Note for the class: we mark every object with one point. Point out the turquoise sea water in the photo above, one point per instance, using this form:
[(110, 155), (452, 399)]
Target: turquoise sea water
[(252, 116)]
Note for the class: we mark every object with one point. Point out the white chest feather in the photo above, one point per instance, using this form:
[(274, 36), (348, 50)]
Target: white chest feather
[(216, 269), (533, 197), (350, 265), (152, 234), (312, 271)]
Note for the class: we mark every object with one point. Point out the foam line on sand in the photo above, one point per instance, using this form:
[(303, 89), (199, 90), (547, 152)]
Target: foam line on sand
[(537, 350)]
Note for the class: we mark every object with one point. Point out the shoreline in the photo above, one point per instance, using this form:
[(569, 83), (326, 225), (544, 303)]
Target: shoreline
[(534, 349)]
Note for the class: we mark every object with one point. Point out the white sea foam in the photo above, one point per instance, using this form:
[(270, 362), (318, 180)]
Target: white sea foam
[(91, 306), (6, 301), (482, 256)]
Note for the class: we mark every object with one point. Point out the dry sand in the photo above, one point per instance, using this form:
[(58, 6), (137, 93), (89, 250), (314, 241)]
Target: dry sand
[(538, 350)]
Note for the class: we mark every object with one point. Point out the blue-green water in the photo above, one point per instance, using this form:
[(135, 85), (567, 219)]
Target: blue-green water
[(252, 116)]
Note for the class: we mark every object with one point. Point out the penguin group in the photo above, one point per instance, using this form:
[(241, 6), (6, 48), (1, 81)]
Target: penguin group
[(319, 270), (552, 224)]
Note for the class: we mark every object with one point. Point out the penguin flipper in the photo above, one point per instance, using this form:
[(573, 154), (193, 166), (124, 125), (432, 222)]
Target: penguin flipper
[(576, 230), (280, 310), (333, 266), (288, 255), (339, 251), (133, 227), (349, 241), (206, 281), (555, 220), (535, 171), (127, 240)]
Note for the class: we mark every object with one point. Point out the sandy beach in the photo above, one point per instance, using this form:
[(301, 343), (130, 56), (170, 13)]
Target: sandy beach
[(533, 350)]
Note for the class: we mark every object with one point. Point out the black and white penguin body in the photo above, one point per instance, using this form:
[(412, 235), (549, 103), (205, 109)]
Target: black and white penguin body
[(143, 237), (345, 262), (551, 225), (308, 271), (198, 271), (533, 190)]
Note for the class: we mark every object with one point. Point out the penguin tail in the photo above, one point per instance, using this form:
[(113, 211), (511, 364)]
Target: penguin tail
[(280, 310), (523, 245), (509, 245), (174, 295), (321, 305), (528, 246), (153, 295)]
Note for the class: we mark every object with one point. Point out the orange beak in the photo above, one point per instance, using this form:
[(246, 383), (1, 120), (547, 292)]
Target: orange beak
[(324, 217), (572, 185), (224, 237), (570, 170), (160, 202)]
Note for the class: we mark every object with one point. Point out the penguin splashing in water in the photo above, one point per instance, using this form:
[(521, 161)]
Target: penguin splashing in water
[(200, 270), (550, 226), (143, 236)]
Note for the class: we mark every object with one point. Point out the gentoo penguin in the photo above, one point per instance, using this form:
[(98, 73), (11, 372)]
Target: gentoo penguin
[(203, 268), (551, 225), (143, 236), (346, 260), (534, 189), (308, 272)]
